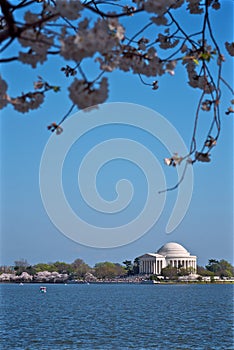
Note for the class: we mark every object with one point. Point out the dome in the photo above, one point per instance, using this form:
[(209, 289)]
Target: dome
[(173, 250)]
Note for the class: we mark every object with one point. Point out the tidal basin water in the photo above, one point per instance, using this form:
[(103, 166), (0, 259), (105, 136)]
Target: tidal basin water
[(116, 317)]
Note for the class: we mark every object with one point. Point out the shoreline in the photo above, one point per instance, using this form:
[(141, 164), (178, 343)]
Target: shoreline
[(119, 282)]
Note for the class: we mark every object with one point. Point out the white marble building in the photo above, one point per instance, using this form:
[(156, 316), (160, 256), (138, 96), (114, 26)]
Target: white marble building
[(172, 254)]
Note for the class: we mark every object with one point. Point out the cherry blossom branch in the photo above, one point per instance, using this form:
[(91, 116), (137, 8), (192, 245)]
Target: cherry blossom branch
[(10, 59), (178, 183), (67, 114), (60, 28), (193, 142), (227, 85), (139, 32), (113, 15), (22, 4), (180, 28)]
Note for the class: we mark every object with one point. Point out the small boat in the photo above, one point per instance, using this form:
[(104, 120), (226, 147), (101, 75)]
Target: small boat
[(43, 289), (149, 282)]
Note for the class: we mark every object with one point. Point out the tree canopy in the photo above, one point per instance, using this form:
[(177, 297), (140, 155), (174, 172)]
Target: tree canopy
[(99, 34), (108, 270), (221, 268)]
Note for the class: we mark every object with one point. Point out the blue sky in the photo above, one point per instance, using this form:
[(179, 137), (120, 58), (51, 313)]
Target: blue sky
[(26, 230)]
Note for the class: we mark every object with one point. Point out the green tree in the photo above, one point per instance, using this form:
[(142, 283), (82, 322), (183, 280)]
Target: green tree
[(213, 265), (128, 267), (108, 270), (202, 271), (220, 268), (183, 272), (62, 267), (136, 266), (40, 267), (226, 269), (169, 272), (31, 270), (79, 268)]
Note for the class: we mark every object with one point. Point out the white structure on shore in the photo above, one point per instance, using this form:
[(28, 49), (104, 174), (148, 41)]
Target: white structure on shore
[(172, 254)]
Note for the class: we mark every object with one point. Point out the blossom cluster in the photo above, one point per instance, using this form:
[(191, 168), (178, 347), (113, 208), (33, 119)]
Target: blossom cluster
[(38, 44), (103, 37), (29, 101), (174, 160), (85, 95), (24, 103), (66, 28)]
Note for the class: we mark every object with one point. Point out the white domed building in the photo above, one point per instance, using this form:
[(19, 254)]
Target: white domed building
[(172, 254)]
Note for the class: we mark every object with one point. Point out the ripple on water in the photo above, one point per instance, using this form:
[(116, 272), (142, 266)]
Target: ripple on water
[(118, 317)]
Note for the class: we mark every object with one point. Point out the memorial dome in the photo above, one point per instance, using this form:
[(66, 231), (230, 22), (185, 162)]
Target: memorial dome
[(173, 250)]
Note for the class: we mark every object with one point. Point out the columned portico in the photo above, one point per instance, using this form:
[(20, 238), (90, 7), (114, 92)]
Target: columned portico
[(151, 263), (172, 254)]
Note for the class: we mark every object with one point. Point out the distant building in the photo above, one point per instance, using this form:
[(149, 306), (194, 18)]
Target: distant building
[(172, 254)]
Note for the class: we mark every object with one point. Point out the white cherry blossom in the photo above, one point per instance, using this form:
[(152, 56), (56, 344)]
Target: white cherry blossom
[(29, 102), (194, 6), (85, 95), (69, 9)]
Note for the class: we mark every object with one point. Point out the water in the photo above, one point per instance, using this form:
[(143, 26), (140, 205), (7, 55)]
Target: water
[(119, 317)]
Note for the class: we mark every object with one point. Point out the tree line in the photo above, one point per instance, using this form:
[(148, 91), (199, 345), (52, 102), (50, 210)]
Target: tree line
[(104, 270)]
